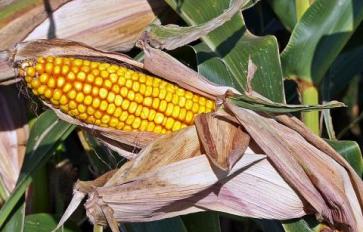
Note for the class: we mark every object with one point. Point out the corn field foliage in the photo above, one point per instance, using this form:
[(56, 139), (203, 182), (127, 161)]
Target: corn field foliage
[(305, 55)]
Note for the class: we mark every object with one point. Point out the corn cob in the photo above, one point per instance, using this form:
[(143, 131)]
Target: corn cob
[(114, 96)]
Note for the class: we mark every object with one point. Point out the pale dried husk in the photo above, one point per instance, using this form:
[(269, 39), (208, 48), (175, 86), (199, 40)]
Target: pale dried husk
[(14, 133), (116, 139)]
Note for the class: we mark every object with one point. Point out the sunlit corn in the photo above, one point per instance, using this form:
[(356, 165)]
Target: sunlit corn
[(114, 96)]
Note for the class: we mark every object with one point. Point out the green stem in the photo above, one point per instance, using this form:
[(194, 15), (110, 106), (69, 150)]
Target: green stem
[(301, 6), (97, 228), (310, 96)]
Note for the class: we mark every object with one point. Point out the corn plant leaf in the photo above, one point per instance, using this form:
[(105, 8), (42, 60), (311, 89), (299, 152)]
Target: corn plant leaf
[(47, 132), (305, 224), (215, 69), (197, 222), (346, 65), (285, 11), (318, 38), (175, 223), (234, 44), (16, 220), (351, 152), (43, 222)]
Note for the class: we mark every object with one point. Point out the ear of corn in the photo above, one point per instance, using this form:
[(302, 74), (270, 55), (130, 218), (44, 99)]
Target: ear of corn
[(109, 95)]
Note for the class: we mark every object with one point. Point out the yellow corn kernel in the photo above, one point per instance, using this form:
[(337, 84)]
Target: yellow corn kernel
[(35, 83), (81, 108), (136, 124), (57, 94), (103, 105), (87, 88), (113, 122), (163, 105), (60, 82), (103, 93), (132, 108), (118, 100), (130, 119), (158, 129), (176, 126), (111, 97), (96, 102), (67, 87), (72, 94), (117, 112), (159, 117), (148, 101), (124, 116), (63, 100), (169, 109), (79, 97), (87, 100), (143, 125), (189, 117), (51, 83), (169, 123), (81, 76), (195, 108), (78, 85)]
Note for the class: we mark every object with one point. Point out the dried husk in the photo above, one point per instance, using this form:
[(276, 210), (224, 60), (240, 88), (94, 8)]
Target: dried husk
[(114, 25), (332, 189), (115, 139), (172, 176), (14, 133)]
